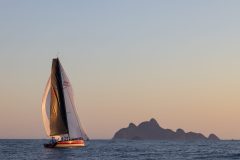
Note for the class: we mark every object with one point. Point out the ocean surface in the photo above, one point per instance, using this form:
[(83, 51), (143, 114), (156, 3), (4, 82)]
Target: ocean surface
[(122, 149)]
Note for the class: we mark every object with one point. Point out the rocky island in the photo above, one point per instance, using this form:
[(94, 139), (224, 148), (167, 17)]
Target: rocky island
[(150, 130)]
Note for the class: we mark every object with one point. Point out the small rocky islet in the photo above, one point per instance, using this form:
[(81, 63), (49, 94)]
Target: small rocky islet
[(151, 130)]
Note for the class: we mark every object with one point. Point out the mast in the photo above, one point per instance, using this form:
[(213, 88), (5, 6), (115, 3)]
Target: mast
[(58, 115)]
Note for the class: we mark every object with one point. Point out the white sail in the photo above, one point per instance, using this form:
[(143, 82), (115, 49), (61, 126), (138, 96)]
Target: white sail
[(46, 107), (74, 126)]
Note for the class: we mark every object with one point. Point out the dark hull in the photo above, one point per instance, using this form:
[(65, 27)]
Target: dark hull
[(50, 145)]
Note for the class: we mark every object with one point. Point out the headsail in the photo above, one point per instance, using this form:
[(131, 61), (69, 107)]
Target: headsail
[(46, 107), (75, 129)]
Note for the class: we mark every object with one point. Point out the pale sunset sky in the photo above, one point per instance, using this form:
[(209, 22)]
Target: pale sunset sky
[(127, 60)]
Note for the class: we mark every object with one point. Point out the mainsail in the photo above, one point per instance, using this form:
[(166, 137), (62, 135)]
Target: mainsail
[(58, 116), (58, 106)]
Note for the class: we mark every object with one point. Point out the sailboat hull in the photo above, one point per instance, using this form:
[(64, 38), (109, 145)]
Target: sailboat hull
[(66, 144)]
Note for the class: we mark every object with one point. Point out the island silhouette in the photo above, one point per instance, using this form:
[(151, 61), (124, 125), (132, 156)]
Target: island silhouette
[(151, 130)]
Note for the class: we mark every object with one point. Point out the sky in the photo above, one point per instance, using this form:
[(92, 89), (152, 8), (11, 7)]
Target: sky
[(128, 61)]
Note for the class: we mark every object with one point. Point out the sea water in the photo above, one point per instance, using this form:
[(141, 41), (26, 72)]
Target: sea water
[(122, 150)]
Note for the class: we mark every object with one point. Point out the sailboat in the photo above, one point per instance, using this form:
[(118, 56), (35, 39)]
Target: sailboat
[(59, 111)]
